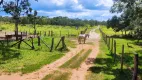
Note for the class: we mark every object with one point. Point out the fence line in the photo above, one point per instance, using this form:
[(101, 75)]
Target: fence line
[(112, 50)]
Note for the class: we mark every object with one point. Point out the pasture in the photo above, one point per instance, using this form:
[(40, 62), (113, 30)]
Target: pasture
[(26, 60)]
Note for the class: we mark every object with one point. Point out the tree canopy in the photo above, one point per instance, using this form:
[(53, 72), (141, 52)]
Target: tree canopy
[(16, 8), (130, 18)]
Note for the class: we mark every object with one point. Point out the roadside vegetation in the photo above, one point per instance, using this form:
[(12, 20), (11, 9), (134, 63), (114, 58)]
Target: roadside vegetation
[(104, 66), (76, 61), (27, 60), (56, 75), (65, 69)]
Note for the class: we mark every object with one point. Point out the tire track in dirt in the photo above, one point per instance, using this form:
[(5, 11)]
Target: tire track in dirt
[(80, 73)]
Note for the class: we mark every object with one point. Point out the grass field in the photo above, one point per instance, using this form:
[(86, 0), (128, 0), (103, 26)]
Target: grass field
[(58, 76), (104, 67), (65, 30), (26, 60), (129, 50), (76, 61)]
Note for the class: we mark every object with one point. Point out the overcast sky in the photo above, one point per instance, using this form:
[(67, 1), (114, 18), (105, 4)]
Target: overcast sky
[(83, 9)]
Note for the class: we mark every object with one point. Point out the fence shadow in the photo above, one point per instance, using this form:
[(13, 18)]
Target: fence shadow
[(106, 66), (7, 53)]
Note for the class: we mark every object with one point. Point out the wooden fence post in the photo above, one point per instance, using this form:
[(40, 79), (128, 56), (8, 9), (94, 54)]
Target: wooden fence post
[(26, 34), (135, 73), (112, 46), (20, 41), (106, 40), (122, 56), (32, 43), (38, 40), (45, 33), (63, 43), (114, 50), (58, 43), (21, 35), (49, 33), (52, 45), (109, 42)]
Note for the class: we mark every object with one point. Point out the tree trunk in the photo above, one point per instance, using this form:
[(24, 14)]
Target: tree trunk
[(34, 32), (34, 27), (16, 29)]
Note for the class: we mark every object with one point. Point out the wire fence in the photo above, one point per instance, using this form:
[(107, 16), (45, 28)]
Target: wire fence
[(131, 72)]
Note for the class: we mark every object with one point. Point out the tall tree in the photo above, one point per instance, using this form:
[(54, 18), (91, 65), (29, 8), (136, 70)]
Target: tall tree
[(16, 8), (32, 19), (131, 13)]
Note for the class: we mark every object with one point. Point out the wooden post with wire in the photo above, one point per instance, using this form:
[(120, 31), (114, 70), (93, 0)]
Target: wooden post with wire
[(32, 43), (109, 42), (112, 46), (63, 43), (114, 51), (49, 33), (45, 33), (106, 40), (122, 57), (38, 40), (135, 72), (52, 45), (20, 41), (26, 34)]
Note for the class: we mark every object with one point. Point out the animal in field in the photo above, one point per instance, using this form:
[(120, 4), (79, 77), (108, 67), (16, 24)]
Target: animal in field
[(82, 37)]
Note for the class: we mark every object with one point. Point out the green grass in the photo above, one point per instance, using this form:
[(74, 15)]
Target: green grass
[(76, 61), (26, 60), (128, 51), (65, 30), (58, 75), (105, 69), (110, 31)]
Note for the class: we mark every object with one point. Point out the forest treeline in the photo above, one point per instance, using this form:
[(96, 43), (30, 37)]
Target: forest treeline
[(63, 21)]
